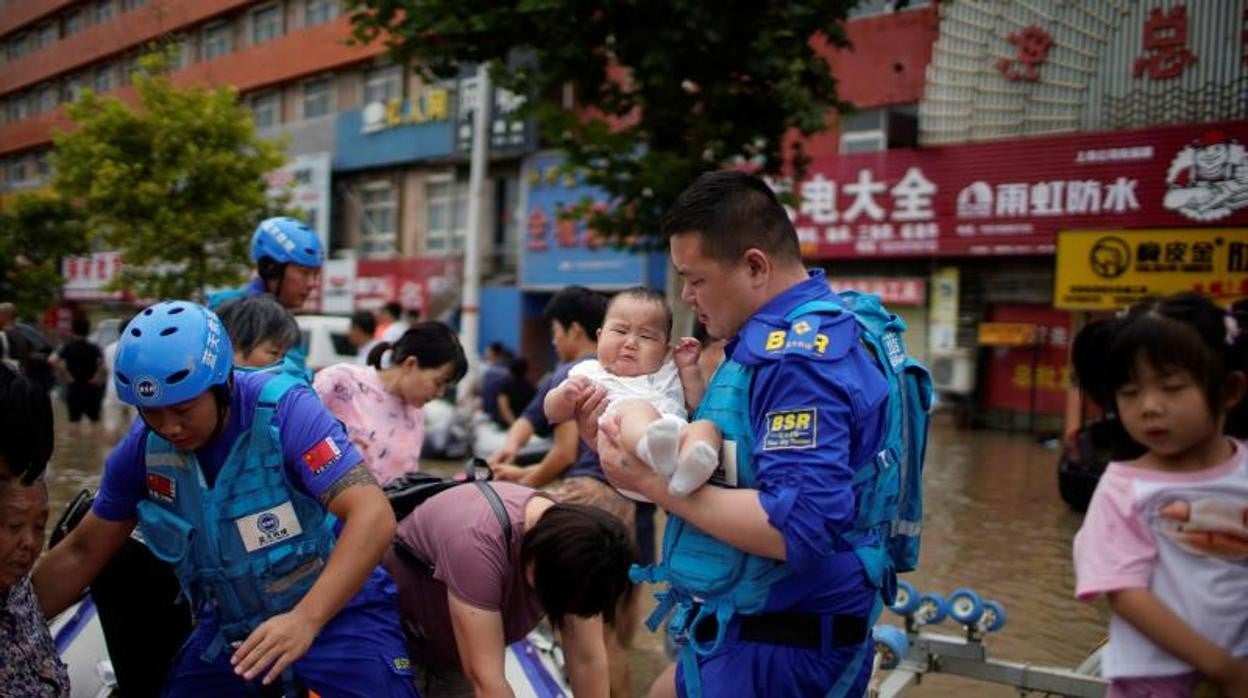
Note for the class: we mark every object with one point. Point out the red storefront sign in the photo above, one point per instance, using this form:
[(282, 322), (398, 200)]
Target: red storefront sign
[(87, 277), (892, 291), (1011, 372), (412, 281), (1011, 197)]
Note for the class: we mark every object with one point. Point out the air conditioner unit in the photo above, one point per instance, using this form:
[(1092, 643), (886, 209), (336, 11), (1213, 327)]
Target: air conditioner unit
[(953, 372)]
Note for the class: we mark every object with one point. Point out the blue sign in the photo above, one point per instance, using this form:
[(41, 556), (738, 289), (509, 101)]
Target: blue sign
[(557, 251), (379, 135)]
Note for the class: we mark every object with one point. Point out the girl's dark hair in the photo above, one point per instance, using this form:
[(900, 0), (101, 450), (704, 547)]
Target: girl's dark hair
[(580, 557), (1187, 332), (433, 344), (255, 319), (25, 427)]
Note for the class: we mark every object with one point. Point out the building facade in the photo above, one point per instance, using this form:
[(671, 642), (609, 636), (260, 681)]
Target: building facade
[(1020, 167)]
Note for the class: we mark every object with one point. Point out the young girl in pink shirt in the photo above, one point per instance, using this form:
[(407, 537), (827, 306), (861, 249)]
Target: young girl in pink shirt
[(380, 407), (1166, 534)]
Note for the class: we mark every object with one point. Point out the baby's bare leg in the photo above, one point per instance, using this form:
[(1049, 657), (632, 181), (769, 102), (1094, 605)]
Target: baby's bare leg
[(699, 457), (649, 435)]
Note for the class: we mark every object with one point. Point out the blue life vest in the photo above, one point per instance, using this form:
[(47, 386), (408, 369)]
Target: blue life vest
[(708, 577), (217, 299), (251, 545), (291, 365)]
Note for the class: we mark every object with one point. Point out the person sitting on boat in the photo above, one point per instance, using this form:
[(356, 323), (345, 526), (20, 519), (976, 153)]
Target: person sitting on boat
[(232, 477), (29, 665)]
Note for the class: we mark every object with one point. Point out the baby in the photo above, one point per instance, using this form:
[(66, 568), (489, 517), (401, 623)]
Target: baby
[(649, 389)]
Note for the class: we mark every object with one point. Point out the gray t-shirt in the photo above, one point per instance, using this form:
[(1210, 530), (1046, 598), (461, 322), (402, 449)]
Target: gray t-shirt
[(460, 536)]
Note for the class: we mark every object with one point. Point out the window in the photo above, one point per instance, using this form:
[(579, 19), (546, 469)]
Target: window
[(447, 206), (102, 12), (184, 51), (383, 84), (72, 87), (17, 107), (72, 24), (319, 11), (104, 79), (48, 98), (317, 97), (378, 233), (43, 164), (17, 169), (46, 35), (266, 109), (127, 5), (216, 40), (129, 67), (15, 47), (266, 24)]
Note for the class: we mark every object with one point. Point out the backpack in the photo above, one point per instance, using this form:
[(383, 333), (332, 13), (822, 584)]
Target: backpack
[(413, 489)]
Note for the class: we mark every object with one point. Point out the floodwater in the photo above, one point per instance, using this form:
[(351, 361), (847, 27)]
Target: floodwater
[(994, 523)]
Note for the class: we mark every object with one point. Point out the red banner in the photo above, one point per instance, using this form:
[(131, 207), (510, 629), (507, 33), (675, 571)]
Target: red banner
[(412, 281), (1011, 372), (1011, 197)]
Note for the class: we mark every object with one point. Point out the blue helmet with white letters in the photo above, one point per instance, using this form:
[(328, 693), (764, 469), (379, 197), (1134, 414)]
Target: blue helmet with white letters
[(287, 241), (170, 353)]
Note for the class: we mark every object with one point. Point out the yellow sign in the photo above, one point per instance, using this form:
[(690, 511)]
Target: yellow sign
[(1006, 334), (1106, 270)]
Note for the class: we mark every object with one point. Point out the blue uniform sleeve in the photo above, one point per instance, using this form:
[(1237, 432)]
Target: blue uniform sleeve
[(815, 424), (316, 448), (124, 482), (536, 411)]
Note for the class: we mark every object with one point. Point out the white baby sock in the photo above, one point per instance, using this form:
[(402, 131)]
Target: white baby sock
[(693, 469), (657, 447)]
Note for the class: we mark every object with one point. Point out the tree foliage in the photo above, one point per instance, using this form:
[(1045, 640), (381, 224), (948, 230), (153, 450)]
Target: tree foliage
[(34, 236), (665, 89), (176, 184)]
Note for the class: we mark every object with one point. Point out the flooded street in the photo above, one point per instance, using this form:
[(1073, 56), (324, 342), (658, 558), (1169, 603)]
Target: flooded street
[(994, 523)]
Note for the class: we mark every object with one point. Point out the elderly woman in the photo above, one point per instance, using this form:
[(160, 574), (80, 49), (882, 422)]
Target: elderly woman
[(29, 665)]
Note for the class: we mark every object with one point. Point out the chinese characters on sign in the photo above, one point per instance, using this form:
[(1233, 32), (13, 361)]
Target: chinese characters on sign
[(1033, 45), (508, 129), (432, 104), (892, 291), (87, 277), (1165, 45), (907, 225)]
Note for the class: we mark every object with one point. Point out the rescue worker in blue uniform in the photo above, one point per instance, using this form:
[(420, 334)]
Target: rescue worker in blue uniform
[(239, 480), (288, 256), (814, 413)]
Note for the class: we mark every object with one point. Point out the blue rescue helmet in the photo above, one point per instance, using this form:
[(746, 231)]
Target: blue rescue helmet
[(171, 352), (287, 241)]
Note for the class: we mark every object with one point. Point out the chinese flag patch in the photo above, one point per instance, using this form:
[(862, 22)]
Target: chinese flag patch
[(161, 487), (321, 455)]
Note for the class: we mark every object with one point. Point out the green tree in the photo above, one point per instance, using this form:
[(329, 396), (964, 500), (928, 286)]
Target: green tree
[(666, 89), (176, 184), (34, 236)]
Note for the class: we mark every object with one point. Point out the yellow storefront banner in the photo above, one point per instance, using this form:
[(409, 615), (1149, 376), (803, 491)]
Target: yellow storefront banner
[(1006, 334), (1110, 269)]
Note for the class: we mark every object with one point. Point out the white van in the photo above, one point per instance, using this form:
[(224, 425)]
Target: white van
[(325, 340)]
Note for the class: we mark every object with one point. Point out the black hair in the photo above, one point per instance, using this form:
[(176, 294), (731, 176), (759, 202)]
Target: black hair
[(1187, 332), (733, 211), (579, 305), (26, 433), (364, 320), (580, 556), (80, 326), (646, 295), (518, 367), (255, 319), (394, 309), (433, 344)]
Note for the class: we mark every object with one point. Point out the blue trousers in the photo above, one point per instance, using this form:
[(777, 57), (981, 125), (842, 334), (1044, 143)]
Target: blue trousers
[(777, 671), (360, 652)]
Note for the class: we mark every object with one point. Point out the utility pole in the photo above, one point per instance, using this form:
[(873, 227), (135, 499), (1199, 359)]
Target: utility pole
[(470, 314)]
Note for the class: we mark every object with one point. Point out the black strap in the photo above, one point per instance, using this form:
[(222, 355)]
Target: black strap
[(403, 550)]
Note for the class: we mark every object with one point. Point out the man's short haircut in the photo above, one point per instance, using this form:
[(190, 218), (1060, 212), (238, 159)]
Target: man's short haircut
[(366, 321), (80, 326), (580, 557), (733, 211), (646, 295), (26, 433), (395, 310), (577, 304), (255, 319)]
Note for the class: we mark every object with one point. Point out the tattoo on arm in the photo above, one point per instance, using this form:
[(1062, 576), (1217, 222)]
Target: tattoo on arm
[(359, 475)]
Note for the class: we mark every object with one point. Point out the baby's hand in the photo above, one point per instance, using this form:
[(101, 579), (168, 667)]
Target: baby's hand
[(571, 392), (686, 352)]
